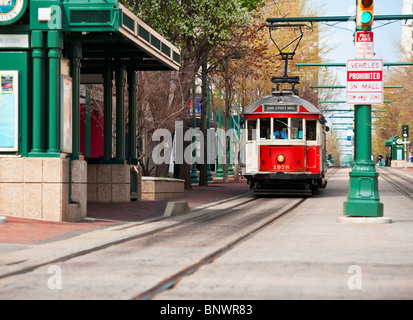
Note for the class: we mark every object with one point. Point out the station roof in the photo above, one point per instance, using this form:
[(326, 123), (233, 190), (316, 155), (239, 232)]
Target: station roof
[(392, 140), (111, 31)]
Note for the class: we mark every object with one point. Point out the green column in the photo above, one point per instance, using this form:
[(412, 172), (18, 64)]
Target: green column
[(39, 128), (107, 112), (75, 57), (230, 126), (120, 112), (132, 89), (220, 172), (363, 197), (194, 176), (54, 43), (209, 175)]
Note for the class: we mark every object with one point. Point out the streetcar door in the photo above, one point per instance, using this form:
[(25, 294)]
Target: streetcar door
[(251, 146), (312, 148)]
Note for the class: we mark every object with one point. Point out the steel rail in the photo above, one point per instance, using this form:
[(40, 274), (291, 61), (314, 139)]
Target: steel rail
[(385, 174), (84, 252), (171, 281)]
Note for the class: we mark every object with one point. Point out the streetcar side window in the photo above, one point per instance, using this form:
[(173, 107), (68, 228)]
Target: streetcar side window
[(311, 129), (280, 128), (265, 128), (296, 128), (252, 129)]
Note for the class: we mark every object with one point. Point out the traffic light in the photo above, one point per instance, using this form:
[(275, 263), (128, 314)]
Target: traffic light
[(405, 131), (365, 14)]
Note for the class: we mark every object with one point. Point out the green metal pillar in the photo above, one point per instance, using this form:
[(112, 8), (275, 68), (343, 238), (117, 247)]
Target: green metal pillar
[(75, 57), (230, 126), (239, 138), (220, 172), (54, 44), (194, 176), (107, 112), (363, 196), (209, 174), (39, 128), (132, 89), (120, 112)]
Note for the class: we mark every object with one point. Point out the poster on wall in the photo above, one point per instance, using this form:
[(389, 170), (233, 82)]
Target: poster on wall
[(66, 127), (9, 110)]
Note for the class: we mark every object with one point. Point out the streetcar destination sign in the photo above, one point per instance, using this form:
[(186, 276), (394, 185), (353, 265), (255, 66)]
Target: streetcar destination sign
[(280, 108), (365, 81)]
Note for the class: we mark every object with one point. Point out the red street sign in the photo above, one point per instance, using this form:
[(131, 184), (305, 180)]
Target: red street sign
[(365, 81), (364, 45)]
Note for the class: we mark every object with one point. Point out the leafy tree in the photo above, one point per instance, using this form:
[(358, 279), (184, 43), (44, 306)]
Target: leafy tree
[(196, 27)]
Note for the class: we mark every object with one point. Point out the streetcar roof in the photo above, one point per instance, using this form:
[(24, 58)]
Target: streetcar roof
[(281, 102)]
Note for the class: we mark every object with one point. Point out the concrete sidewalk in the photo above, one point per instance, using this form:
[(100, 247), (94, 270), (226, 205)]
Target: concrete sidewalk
[(18, 233)]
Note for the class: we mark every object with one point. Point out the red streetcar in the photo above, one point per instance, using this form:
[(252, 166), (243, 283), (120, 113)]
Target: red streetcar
[(285, 149)]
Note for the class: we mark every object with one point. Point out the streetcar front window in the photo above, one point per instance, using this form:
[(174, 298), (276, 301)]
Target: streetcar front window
[(311, 129), (265, 128), (296, 128), (280, 128), (252, 127)]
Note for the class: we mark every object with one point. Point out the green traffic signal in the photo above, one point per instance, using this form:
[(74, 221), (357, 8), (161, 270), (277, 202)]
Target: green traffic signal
[(366, 17)]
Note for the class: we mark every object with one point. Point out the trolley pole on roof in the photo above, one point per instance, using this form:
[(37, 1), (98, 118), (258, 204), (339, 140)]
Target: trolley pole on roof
[(363, 197)]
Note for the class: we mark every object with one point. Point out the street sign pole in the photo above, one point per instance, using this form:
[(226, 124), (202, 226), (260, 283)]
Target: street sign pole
[(363, 197), (405, 135)]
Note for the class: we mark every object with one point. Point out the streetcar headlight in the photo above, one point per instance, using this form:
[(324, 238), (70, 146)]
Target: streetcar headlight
[(280, 158)]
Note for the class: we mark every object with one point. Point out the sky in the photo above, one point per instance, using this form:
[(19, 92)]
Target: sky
[(340, 37), (387, 38)]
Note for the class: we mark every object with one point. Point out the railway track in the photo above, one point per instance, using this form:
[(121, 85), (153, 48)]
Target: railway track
[(170, 282), (216, 230), (123, 239), (174, 279), (403, 184)]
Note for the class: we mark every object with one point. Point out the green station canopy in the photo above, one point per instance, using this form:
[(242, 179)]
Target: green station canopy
[(108, 30), (391, 141)]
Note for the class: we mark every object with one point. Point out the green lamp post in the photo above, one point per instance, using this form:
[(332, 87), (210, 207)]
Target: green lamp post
[(363, 197), (209, 174), (194, 176), (220, 172)]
